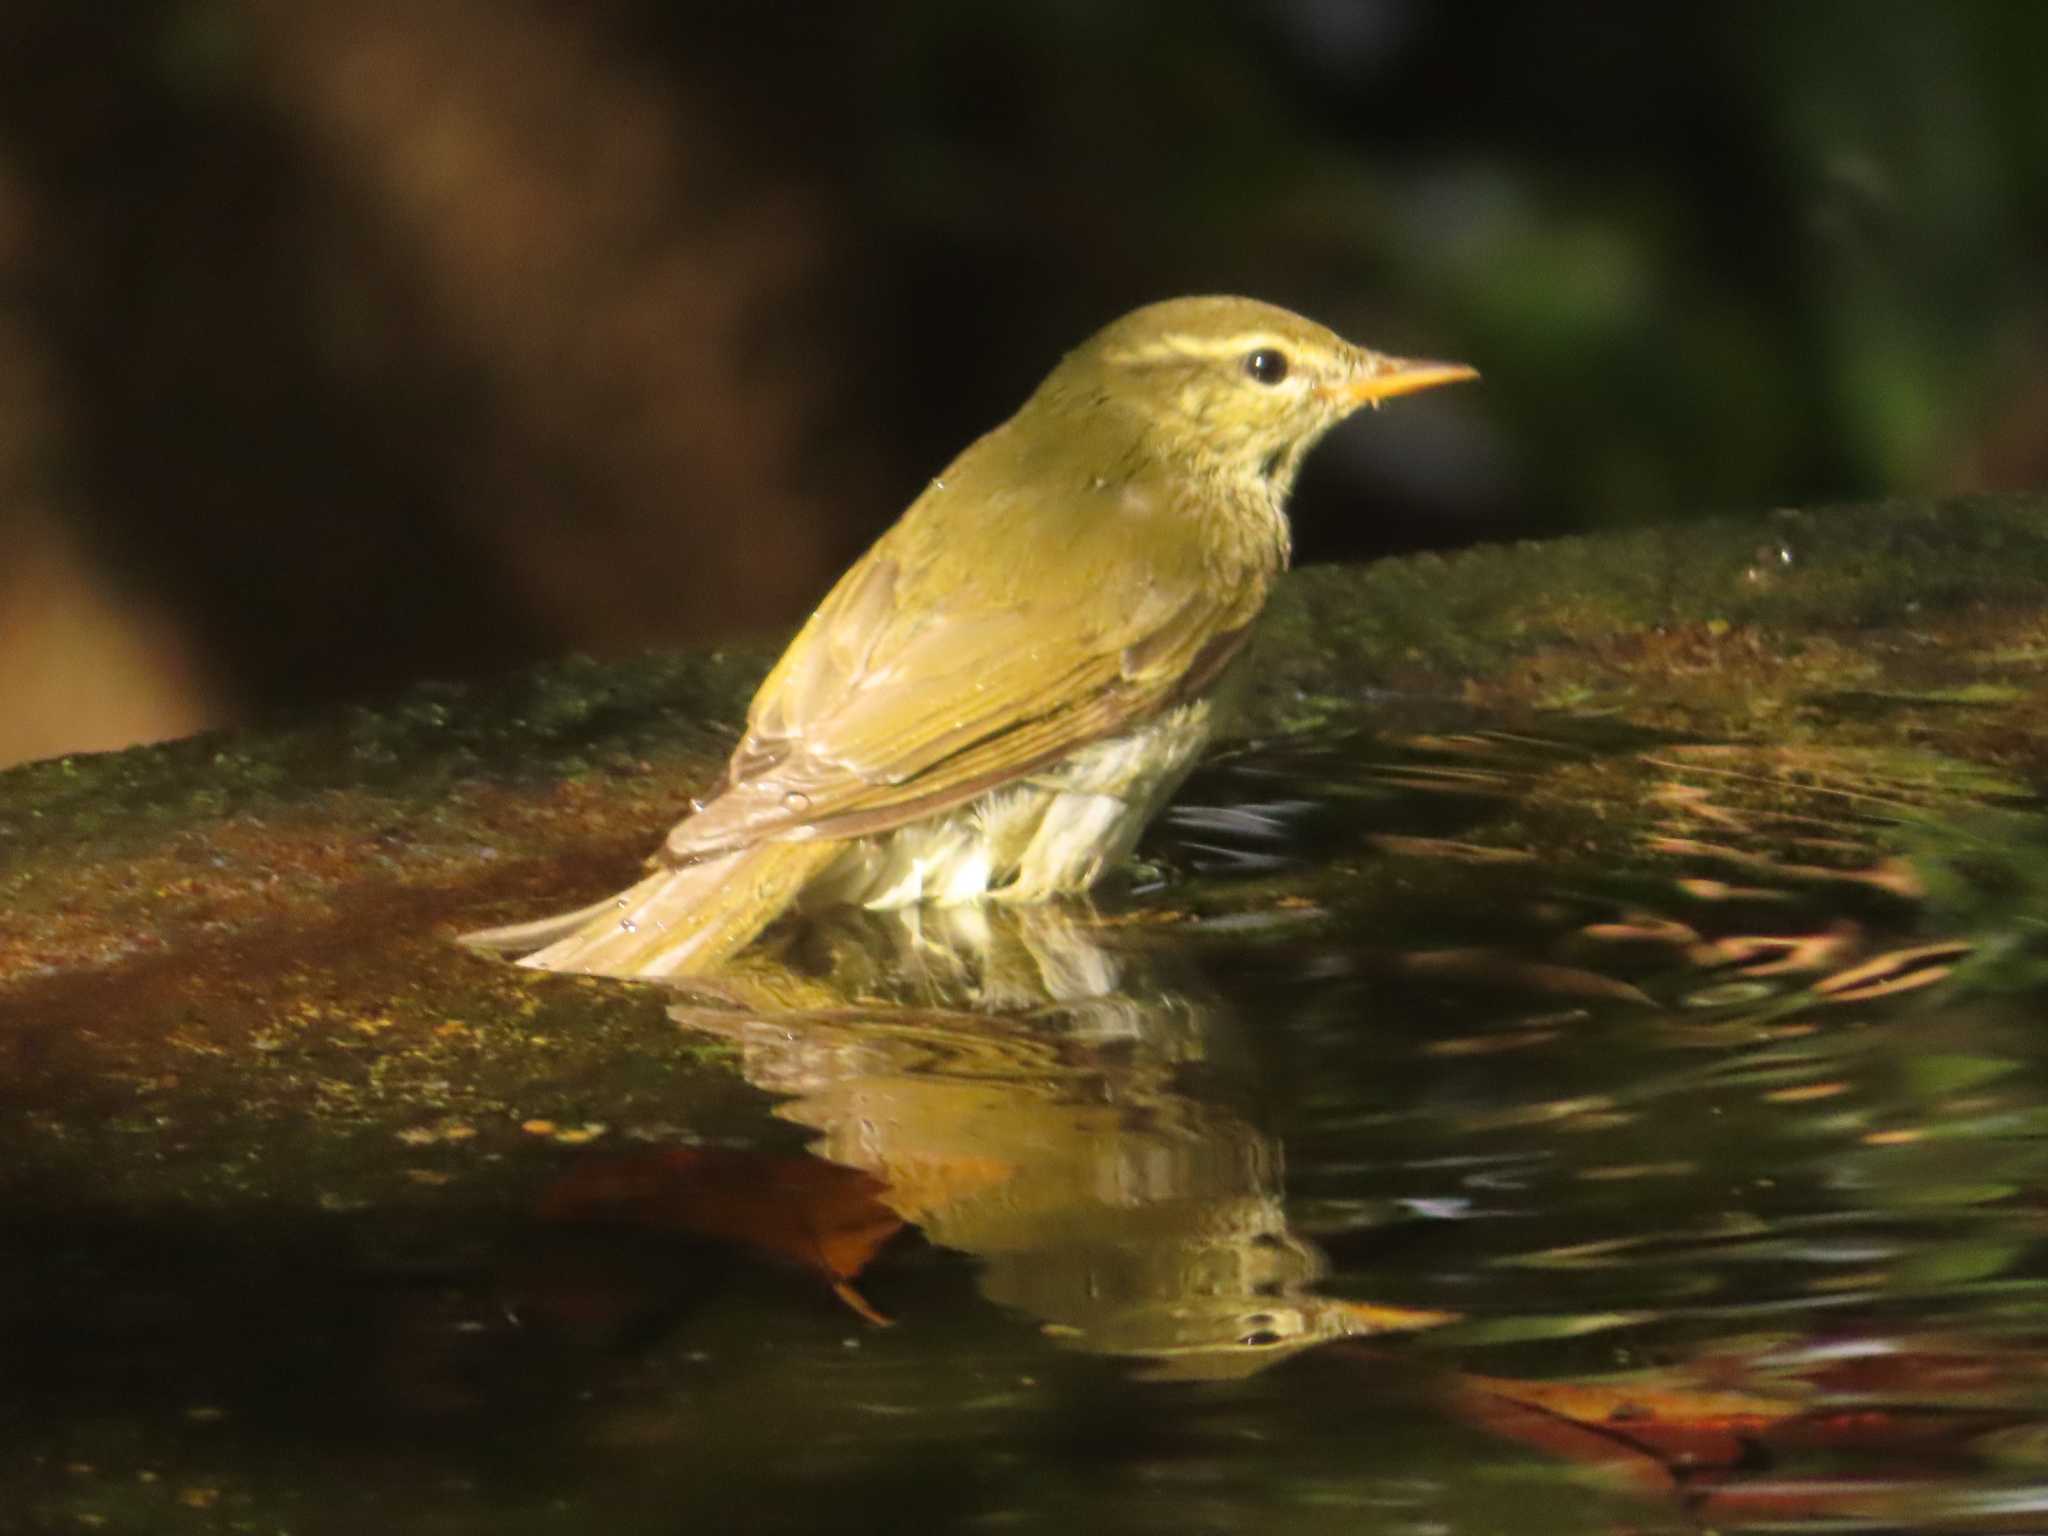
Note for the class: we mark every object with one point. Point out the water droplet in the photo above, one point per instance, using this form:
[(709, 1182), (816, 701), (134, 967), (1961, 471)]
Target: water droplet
[(1771, 560), (696, 806), (622, 901), (628, 925), (796, 800)]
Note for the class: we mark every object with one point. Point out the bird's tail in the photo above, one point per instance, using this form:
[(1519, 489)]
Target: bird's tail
[(676, 922)]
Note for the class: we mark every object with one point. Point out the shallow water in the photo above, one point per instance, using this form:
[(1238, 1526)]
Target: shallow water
[(1451, 1128)]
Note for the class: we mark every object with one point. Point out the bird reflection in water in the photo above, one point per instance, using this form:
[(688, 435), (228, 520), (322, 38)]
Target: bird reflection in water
[(1016, 1080)]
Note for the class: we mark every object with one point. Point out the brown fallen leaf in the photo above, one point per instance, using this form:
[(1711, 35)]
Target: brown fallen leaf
[(821, 1216)]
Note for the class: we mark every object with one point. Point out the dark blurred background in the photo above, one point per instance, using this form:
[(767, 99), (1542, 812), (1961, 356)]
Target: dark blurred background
[(345, 342)]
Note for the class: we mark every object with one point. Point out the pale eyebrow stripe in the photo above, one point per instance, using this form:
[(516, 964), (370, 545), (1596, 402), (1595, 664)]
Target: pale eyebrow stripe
[(1172, 348)]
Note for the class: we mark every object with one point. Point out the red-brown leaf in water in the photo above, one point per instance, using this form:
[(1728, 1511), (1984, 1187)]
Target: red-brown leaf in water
[(1619, 1462), (1614, 1424), (1718, 1447), (822, 1216), (1933, 1371)]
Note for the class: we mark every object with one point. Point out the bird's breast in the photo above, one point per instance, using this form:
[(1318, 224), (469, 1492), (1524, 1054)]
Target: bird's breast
[(1052, 833)]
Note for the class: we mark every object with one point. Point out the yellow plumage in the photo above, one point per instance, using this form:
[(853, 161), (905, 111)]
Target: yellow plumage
[(999, 693)]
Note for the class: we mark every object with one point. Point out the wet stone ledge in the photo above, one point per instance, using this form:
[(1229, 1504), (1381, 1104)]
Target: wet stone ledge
[(225, 964), (1736, 628)]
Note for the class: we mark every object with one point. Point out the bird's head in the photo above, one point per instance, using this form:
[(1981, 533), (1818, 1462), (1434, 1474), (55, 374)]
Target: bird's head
[(1235, 387)]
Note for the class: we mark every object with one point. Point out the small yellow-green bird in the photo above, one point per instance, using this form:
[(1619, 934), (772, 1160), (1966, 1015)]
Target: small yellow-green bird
[(996, 698)]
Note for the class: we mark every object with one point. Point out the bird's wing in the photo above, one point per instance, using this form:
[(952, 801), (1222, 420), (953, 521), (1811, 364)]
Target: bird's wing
[(882, 713)]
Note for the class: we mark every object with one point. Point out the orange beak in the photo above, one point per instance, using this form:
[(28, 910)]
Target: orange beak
[(1393, 376)]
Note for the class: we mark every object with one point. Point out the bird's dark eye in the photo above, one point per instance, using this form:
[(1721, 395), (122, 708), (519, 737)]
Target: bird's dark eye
[(1268, 365)]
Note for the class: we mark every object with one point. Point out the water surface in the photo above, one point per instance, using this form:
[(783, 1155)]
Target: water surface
[(1456, 1125)]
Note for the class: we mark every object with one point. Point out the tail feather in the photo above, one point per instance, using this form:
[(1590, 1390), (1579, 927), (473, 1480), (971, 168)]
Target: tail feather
[(676, 921), (520, 938)]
